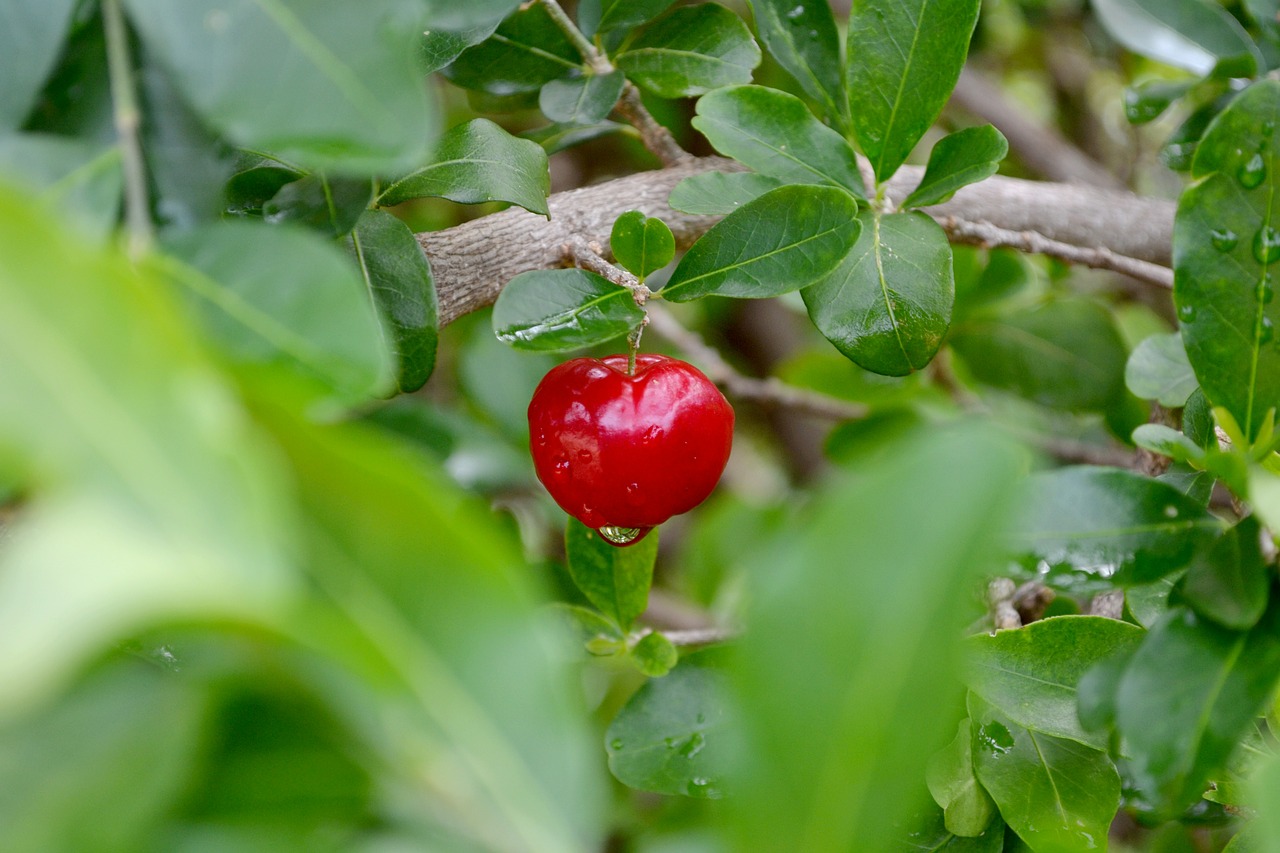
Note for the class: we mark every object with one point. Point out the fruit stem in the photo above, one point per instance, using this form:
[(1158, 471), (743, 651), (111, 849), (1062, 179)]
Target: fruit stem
[(633, 344)]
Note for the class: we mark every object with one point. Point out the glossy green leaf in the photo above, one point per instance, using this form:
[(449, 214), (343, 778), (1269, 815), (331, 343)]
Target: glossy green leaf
[(1189, 34), (1030, 674), (931, 835), (642, 244), (616, 580), (1229, 582), (904, 60), (654, 655), (527, 51), (1158, 370), (31, 36), (692, 50), (330, 205), (1181, 730), (1167, 441), (1146, 102), (557, 137), (441, 47), (623, 14), (398, 280), (1058, 795), (888, 305), (322, 82), (1066, 354), (1111, 523), (449, 15), (581, 100), (774, 134), (801, 35), (476, 162), (74, 177), (957, 160), (967, 807), (786, 239), (1226, 241), (254, 180), (1148, 602), (835, 771), (279, 296), (719, 193), (671, 737), (559, 310)]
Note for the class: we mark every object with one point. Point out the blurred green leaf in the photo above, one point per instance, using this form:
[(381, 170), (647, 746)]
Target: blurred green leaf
[(559, 310), (905, 62), (957, 160), (449, 15), (967, 807), (719, 193), (691, 50), (1226, 239), (616, 580), (654, 655), (1097, 687), (1030, 674), (254, 180), (775, 134), (1058, 795), (932, 836), (72, 177), (557, 137), (527, 51), (324, 82), (285, 297), (398, 280), (620, 14), (1148, 602), (1265, 789), (801, 35), (642, 244), (1066, 353), (888, 305), (786, 239), (479, 161), (1179, 149), (1229, 582), (1146, 102), (329, 205), (581, 100), (31, 40), (1181, 730), (1189, 34), (1112, 523), (671, 737), (1158, 370), (590, 626), (1167, 441), (874, 663)]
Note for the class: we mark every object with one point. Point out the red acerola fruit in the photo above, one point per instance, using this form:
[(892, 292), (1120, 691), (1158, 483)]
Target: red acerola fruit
[(623, 453)]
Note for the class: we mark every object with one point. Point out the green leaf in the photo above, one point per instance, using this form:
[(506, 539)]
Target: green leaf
[(398, 279), (967, 807), (448, 15), (476, 162), (279, 296), (957, 160), (836, 770), (904, 60), (527, 51), (1066, 354), (801, 35), (581, 100), (654, 655), (1265, 788), (1180, 730), (1030, 674), (692, 50), (330, 205), (595, 631), (624, 14), (441, 47), (1096, 690), (31, 41), (930, 835), (1146, 102), (719, 193), (671, 737), (1226, 240), (1167, 441), (1111, 523), (1229, 582), (254, 180), (888, 305), (1189, 34), (642, 244), (616, 580), (77, 178), (774, 134), (1158, 370), (321, 82), (786, 239), (1148, 602), (1058, 795), (559, 310), (557, 137)]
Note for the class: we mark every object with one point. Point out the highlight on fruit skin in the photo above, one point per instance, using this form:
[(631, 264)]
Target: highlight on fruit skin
[(621, 452)]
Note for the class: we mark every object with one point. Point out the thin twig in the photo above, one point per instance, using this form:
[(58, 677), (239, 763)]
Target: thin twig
[(588, 51), (990, 236), (656, 138), (127, 118), (701, 636), (1084, 453)]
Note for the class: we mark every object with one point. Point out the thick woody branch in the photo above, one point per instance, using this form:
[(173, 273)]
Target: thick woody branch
[(472, 261)]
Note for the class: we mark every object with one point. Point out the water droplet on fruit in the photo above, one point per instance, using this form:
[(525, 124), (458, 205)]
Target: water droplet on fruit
[(615, 744), (619, 535), (1253, 172), (1223, 239), (584, 455), (561, 467), (542, 439), (1187, 313), (597, 373), (653, 433), (633, 493), (1267, 331), (1266, 245), (696, 743)]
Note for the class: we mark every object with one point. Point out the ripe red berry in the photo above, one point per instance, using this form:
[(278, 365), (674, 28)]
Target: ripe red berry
[(621, 453)]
